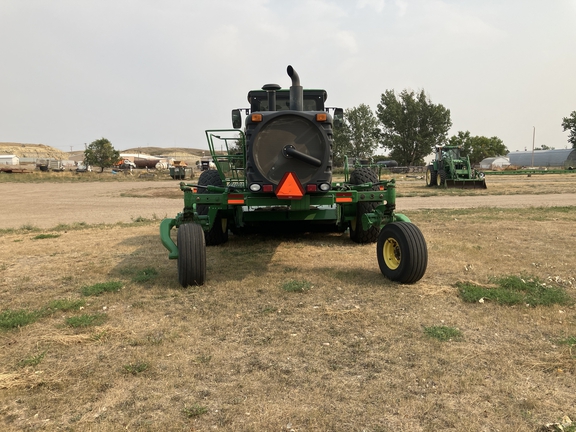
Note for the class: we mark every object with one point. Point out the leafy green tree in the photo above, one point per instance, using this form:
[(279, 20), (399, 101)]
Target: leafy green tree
[(341, 146), (478, 147), (358, 137), (101, 153), (569, 124), (411, 125), (236, 149), (461, 139)]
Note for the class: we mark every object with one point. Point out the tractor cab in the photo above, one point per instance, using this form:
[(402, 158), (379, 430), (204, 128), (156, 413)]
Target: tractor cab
[(272, 98), (448, 153), (313, 100)]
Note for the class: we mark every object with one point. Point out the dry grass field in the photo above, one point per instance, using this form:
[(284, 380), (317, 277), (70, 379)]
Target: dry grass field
[(296, 333)]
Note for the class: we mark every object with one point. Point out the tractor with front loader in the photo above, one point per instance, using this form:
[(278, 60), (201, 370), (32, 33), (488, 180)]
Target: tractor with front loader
[(276, 172), (452, 170)]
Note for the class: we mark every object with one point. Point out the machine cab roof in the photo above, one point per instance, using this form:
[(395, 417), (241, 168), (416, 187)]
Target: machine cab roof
[(313, 100)]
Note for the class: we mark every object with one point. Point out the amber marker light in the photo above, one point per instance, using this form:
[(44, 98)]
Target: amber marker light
[(256, 117), (342, 197), (235, 199), (321, 117)]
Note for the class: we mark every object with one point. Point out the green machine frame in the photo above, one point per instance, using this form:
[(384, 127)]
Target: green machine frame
[(235, 202)]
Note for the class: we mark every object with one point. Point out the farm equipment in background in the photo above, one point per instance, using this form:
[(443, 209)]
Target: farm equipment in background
[(450, 169), (277, 173), (124, 164), (178, 170)]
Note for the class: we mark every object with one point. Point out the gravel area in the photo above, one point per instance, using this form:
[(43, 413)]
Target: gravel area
[(46, 205)]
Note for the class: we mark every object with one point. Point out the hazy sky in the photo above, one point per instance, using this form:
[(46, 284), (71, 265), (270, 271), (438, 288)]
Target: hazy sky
[(160, 72)]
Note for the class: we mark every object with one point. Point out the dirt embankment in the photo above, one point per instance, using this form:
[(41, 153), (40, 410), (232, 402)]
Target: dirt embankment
[(33, 151)]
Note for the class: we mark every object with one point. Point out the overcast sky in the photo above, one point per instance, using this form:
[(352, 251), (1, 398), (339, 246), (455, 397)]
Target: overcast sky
[(158, 73)]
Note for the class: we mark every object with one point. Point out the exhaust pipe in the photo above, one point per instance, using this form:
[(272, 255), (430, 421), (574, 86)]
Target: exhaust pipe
[(296, 91)]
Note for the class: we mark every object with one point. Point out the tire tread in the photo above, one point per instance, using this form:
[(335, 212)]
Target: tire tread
[(191, 255), (414, 259)]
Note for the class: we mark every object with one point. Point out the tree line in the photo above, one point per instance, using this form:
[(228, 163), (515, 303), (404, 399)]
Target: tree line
[(409, 126)]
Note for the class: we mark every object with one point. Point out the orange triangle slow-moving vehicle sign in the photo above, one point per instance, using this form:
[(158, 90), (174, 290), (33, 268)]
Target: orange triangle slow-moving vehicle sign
[(289, 187)]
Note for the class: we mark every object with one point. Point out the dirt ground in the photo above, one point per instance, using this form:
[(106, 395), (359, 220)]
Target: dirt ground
[(45, 205)]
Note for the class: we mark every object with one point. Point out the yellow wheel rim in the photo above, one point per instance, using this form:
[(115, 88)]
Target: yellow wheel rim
[(392, 255), (428, 177)]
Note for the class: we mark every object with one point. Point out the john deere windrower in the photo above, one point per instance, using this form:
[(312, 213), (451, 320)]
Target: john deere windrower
[(277, 173)]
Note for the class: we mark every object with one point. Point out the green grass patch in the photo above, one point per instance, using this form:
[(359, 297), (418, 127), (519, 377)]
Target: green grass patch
[(568, 341), (29, 227), (296, 286), (443, 333), (136, 368), (32, 360), (71, 227), (194, 411), (99, 288), (515, 290), (145, 275), (141, 219), (86, 320), (10, 319), (496, 214), (45, 236), (64, 305), (78, 226)]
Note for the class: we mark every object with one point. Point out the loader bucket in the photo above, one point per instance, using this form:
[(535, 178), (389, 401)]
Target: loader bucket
[(466, 184)]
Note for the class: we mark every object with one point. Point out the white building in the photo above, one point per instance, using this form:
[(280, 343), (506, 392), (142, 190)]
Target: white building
[(9, 160), (494, 163)]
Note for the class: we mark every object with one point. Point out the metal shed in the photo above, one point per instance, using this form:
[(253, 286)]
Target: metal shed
[(494, 162), (562, 158), (9, 160)]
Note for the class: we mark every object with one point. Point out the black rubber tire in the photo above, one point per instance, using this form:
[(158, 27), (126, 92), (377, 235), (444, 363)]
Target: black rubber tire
[(441, 178), (402, 252), (191, 255), (218, 234), (357, 233), (431, 176)]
